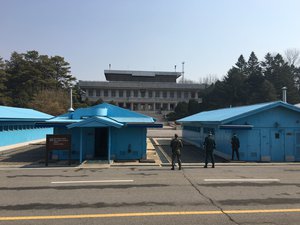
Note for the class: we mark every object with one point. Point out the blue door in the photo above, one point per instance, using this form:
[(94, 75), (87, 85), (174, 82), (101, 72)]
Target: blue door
[(277, 145), (297, 149), (253, 153)]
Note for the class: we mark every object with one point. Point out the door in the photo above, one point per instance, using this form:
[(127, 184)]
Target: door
[(101, 143), (297, 153), (277, 145), (254, 143)]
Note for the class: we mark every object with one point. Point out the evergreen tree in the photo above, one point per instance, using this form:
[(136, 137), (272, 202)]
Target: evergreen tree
[(280, 74), (31, 73), (4, 98)]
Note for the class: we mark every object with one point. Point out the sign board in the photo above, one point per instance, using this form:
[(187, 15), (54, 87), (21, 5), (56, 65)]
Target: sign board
[(58, 142)]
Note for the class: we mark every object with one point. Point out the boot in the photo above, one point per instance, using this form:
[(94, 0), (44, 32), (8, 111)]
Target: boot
[(213, 166), (205, 166)]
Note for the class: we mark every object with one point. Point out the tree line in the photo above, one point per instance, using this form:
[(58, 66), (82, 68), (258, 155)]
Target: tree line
[(41, 82), (249, 82)]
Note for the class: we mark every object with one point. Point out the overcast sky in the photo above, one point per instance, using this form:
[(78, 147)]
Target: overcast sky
[(208, 35)]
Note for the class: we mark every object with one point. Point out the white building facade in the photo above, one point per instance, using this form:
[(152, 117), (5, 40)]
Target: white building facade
[(146, 91)]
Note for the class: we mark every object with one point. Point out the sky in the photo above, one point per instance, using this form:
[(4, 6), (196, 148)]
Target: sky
[(155, 35)]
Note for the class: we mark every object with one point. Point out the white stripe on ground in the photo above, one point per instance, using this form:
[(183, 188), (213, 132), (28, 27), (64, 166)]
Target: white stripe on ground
[(90, 181), (242, 180)]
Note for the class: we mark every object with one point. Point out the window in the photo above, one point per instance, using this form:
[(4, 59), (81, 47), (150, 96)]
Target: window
[(164, 94), (121, 93), (157, 106), (91, 92), (178, 94), (135, 93), (113, 93), (105, 93), (150, 94), (128, 94), (165, 106), (192, 94), (171, 94), (143, 93), (157, 94), (98, 92), (186, 94)]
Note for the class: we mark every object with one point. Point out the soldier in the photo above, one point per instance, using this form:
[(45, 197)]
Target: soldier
[(209, 146), (235, 144), (176, 146)]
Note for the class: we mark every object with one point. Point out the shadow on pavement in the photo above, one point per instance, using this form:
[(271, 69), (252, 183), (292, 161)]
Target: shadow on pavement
[(189, 154), (31, 155)]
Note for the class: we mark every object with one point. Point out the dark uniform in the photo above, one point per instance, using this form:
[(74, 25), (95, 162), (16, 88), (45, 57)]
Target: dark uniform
[(209, 146), (235, 144), (176, 146)]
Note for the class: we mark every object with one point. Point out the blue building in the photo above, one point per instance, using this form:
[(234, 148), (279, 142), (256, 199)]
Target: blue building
[(267, 131), (104, 132), (17, 126)]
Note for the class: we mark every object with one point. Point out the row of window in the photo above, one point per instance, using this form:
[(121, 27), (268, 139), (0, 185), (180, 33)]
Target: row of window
[(147, 107), (206, 130), (18, 127), (135, 93)]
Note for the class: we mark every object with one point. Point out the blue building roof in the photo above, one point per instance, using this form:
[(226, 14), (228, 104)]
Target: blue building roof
[(230, 114), (104, 113), (96, 121), (13, 113)]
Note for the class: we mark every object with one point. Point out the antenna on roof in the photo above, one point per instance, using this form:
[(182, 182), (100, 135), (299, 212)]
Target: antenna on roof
[(109, 66), (182, 72), (71, 101), (175, 68)]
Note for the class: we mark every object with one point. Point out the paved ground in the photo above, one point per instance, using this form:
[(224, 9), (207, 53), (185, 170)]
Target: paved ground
[(239, 195), (132, 193)]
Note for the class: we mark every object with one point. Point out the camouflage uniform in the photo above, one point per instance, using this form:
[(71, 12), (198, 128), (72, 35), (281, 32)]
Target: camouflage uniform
[(235, 144), (176, 146), (209, 146)]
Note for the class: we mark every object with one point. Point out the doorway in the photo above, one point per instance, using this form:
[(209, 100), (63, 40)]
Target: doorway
[(277, 145), (101, 143)]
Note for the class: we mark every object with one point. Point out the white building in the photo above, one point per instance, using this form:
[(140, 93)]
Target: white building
[(146, 91)]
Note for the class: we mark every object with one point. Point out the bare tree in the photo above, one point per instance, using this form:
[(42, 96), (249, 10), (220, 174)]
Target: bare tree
[(293, 56), (209, 79)]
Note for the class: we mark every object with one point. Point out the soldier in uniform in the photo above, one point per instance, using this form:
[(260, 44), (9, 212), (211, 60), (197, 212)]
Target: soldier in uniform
[(176, 146), (209, 146), (235, 145)]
